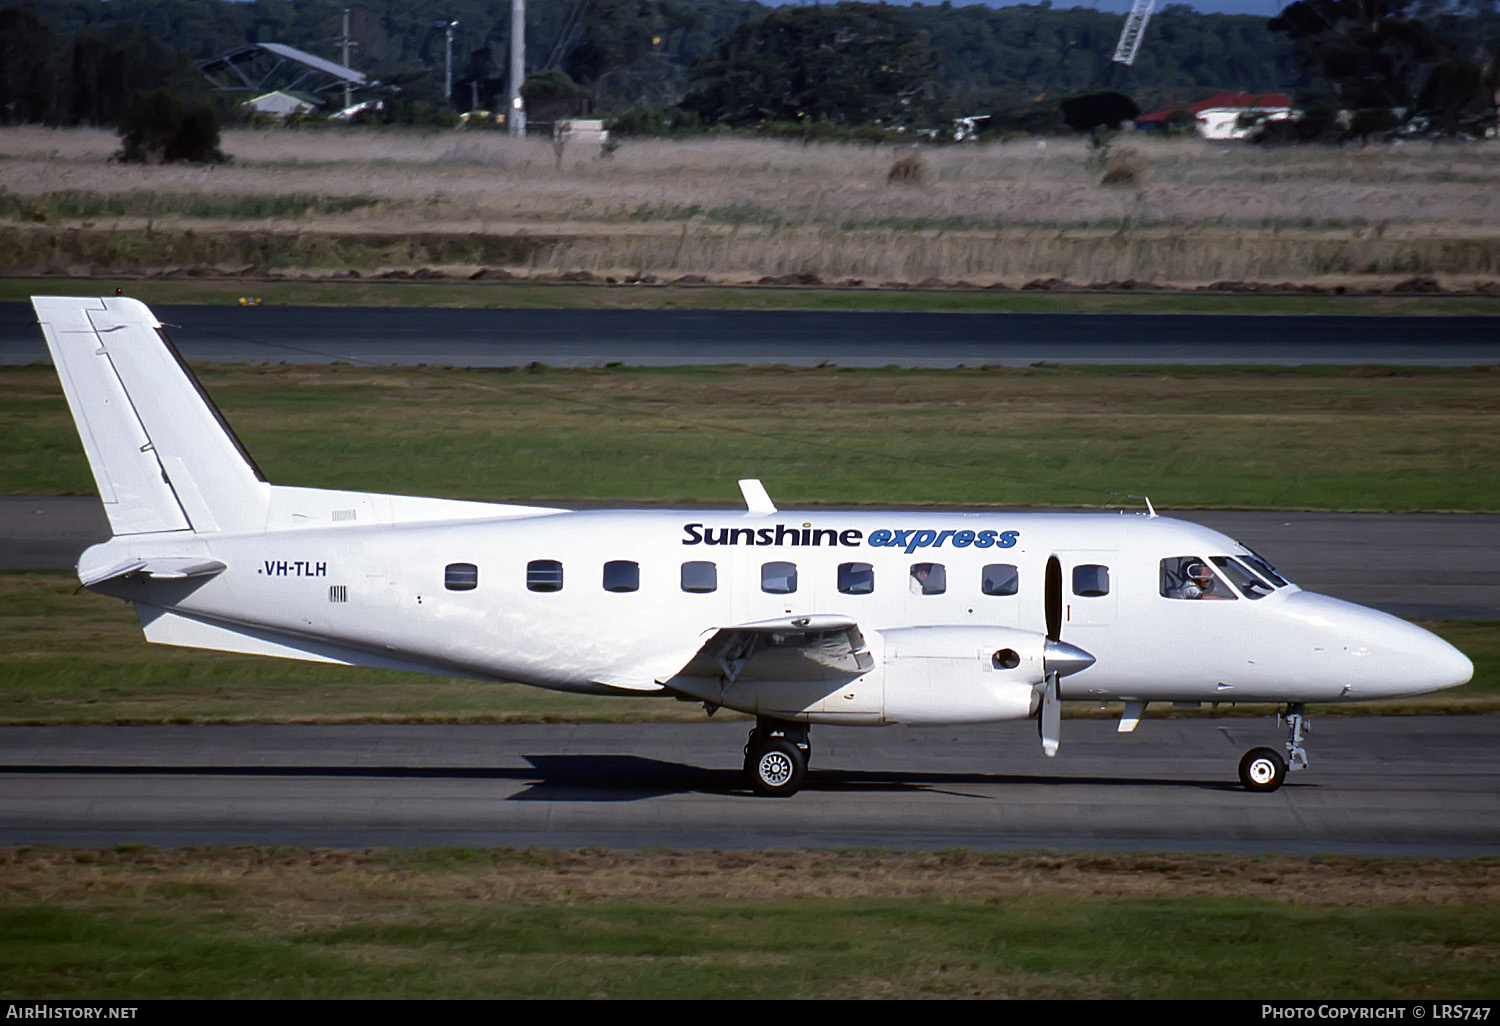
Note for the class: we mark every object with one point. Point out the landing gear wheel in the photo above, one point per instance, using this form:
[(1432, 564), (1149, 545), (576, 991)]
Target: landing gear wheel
[(1262, 769), (776, 768)]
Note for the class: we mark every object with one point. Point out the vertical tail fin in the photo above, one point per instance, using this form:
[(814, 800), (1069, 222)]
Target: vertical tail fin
[(162, 455)]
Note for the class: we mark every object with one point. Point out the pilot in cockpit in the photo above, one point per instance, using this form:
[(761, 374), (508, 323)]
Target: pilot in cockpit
[(1200, 583)]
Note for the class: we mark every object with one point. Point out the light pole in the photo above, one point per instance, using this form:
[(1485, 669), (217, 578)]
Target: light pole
[(515, 117), (448, 77), (345, 40)]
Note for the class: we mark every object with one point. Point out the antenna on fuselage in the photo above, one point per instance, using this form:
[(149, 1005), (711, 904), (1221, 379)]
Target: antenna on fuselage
[(757, 499), (1150, 509)]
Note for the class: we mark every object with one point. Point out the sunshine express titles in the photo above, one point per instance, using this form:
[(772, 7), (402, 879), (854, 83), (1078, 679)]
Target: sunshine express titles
[(809, 536)]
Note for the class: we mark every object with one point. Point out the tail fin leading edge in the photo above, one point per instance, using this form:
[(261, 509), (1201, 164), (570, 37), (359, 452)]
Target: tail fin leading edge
[(161, 454)]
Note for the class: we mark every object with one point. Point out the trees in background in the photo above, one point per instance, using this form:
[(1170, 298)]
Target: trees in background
[(1389, 68), (1106, 109), (160, 127), (671, 64), (131, 79), (850, 63), (30, 80)]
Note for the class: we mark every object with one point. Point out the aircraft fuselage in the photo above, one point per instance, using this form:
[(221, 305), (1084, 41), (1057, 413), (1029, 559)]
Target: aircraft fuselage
[(603, 601)]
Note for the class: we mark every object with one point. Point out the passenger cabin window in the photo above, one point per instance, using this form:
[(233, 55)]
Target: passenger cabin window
[(544, 575), (622, 575), (856, 578), (700, 577), (1189, 577), (1000, 579), (778, 578), (928, 578), (461, 577), (1090, 580)]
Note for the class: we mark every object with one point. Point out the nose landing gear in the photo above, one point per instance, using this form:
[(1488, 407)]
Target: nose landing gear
[(1263, 769)]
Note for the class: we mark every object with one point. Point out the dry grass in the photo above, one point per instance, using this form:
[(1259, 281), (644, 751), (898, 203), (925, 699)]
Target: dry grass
[(283, 878), (737, 209)]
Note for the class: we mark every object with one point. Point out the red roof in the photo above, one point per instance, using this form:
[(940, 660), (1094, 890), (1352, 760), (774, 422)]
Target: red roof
[(1222, 100)]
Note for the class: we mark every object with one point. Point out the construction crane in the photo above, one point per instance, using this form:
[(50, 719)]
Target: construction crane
[(1135, 28)]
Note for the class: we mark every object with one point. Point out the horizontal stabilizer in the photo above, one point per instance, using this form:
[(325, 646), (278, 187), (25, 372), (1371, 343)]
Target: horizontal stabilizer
[(168, 568)]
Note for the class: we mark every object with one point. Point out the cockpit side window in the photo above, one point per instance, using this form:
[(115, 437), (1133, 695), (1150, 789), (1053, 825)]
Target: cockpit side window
[(1191, 577)]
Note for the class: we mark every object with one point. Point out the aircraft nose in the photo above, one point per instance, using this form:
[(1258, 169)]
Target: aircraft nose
[(1376, 655), (1408, 660), (1448, 667)]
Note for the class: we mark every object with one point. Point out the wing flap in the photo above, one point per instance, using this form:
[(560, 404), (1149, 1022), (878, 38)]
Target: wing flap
[(815, 647)]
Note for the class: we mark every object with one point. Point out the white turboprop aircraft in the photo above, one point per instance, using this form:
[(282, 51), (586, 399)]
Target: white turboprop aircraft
[(794, 618)]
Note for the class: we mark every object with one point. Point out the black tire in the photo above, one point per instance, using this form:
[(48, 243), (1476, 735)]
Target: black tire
[(776, 768), (1262, 769)]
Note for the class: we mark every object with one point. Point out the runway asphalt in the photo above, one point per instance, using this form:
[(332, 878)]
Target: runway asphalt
[(1376, 786), (591, 338)]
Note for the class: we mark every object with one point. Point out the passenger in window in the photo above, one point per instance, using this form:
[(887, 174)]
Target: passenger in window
[(928, 579)]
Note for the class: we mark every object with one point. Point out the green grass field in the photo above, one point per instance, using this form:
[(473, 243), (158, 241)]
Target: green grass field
[(257, 923), (1330, 439)]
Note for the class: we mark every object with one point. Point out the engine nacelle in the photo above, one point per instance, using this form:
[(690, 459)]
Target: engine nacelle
[(961, 674)]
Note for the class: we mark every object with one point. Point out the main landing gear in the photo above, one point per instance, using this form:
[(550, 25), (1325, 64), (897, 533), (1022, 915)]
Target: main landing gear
[(776, 757), (1263, 769)]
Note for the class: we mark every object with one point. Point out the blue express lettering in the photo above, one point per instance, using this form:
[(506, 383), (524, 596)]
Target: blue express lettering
[(911, 541)]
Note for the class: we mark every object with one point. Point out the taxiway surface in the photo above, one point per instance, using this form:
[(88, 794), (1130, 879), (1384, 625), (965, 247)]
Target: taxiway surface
[(387, 336), (1391, 785)]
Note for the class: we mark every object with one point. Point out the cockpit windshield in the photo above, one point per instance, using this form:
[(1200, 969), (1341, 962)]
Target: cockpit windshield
[(1248, 585), (1261, 566), (1217, 577)]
